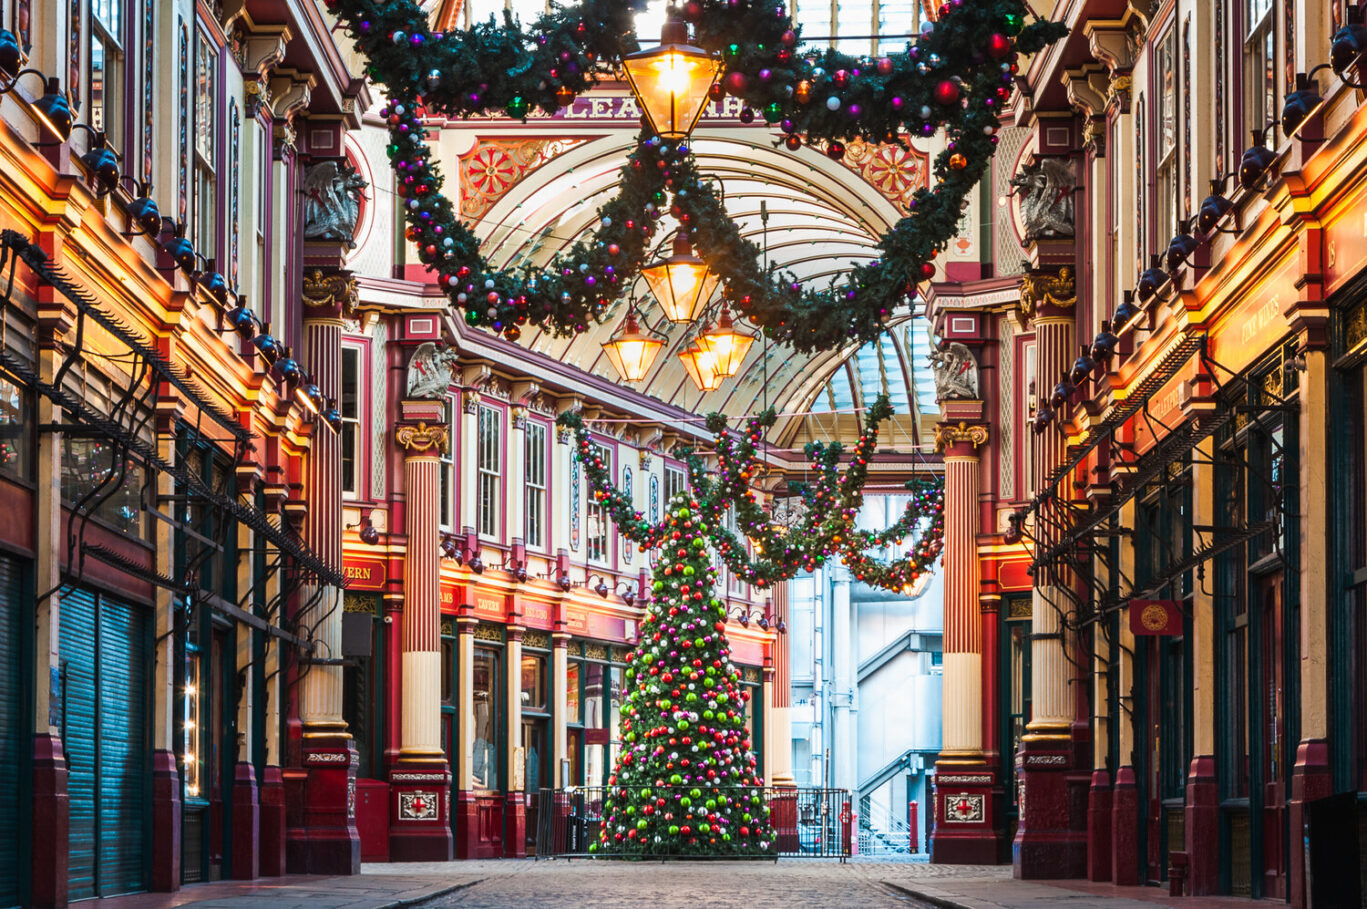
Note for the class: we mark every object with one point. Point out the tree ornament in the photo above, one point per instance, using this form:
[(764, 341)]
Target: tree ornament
[(947, 92)]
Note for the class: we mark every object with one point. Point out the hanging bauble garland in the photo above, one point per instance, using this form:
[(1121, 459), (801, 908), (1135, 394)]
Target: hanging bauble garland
[(830, 505), (958, 75)]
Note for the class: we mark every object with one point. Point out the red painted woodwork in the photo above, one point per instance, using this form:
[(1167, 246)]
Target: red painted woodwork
[(246, 808), (1310, 780), (51, 822), (1125, 828), (1099, 827), (272, 800), (479, 825), (1202, 828), (166, 817), (17, 499), (783, 815), (515, 825), (372, 819)]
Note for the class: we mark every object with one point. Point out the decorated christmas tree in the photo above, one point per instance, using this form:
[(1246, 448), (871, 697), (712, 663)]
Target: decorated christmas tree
[(686, 781)]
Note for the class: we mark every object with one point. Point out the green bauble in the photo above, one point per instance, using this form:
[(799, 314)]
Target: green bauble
[(518, 107), (773, 112), (1013, 23), (471, 318)]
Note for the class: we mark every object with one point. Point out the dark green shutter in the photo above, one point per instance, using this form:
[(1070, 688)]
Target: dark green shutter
[(13, 735), (106, 670)]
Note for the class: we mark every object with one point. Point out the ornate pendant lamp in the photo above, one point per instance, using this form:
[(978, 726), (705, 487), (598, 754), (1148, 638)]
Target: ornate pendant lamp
[(671, 81), (631, 351), (701, 367), (682, 282), (727, 344)]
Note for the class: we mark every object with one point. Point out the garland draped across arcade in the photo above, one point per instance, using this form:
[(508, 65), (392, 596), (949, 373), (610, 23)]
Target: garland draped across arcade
[(685, 782), (957, 75)]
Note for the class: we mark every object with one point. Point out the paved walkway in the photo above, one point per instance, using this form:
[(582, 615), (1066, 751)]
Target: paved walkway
[(789, 883)]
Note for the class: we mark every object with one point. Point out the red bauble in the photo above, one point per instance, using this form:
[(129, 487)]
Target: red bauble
[(792, 142), (692, 11), (841, 78), (999, 45), (947, 92), (835, 151), (884, 66), (735, 82), (927, 270)]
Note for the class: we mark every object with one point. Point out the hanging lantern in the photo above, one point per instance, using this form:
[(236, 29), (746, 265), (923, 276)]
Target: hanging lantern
[(701, 367), (631, 351), (670, 81), (727, 344), (682, 283)]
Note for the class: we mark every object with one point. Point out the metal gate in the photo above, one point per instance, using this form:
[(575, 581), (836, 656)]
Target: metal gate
[(808, 823)]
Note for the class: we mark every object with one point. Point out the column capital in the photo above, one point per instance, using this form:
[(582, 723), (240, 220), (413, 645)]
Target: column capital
[(1043, 290), (422, 440), (328, 294), (949, 436)]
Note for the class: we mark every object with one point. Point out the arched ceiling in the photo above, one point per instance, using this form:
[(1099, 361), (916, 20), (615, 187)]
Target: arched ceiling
[(822, 218)]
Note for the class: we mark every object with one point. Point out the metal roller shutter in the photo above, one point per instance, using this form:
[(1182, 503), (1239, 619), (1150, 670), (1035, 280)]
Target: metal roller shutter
[(13, 734), (79, 631), (104, 645)]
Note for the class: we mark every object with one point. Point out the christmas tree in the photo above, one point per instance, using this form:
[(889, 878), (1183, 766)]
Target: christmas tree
[(686, 781)]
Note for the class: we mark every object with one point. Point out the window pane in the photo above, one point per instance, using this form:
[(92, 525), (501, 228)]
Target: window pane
[(16, 430), (490, 456), (534, 505), (534, 683), (572, 693), (485, 763), (350, 408)]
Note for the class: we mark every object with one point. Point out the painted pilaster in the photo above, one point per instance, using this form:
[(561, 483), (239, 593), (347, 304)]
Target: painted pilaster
[(514, 803), (559, 697), (517, 476), (842, 772), (51, 813), (963, 782), (778, 723), (273, 814), (326, 842), (1125, 858), (246, 805), (1202, 794), (467, 466), (166, 778), (466, 810), (420, 779)]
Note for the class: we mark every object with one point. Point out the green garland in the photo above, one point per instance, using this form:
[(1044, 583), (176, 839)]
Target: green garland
[(827, 526), (957, 76)]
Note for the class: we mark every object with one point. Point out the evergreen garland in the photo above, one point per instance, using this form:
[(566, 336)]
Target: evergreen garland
[(957, 75)]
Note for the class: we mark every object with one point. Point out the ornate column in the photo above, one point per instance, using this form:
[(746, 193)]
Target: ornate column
[(1051, 839), (273, 812), (246, 804), (326, 842), (964, 819), (560, 665), (420, 779)]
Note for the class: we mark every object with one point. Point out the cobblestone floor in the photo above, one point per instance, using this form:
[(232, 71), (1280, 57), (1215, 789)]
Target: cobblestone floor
[(788, 884)]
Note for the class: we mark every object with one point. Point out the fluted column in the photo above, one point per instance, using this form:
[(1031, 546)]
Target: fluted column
[(1051, 838), (964, 812), (419, 824), (321, 607), (1051, 697), (322, 837), (420, 718), (963, 734)]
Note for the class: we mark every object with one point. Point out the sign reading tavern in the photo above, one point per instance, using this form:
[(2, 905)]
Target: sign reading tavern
[(364, 574)]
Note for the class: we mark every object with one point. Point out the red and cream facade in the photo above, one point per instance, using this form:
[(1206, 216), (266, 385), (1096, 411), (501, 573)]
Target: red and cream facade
[(1168, 574)]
